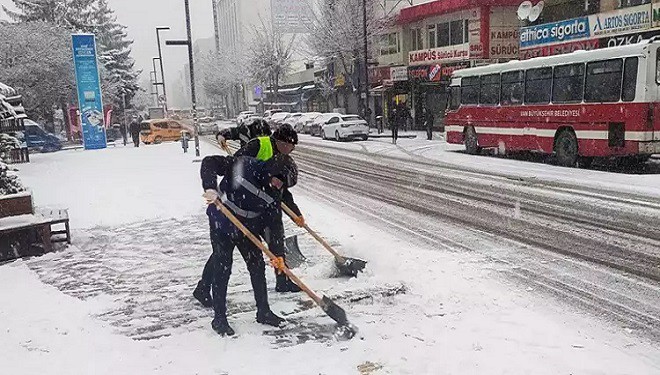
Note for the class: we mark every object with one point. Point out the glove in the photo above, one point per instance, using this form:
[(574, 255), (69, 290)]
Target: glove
[(278, 264), (222, 141), (300, 221), (210, 196)]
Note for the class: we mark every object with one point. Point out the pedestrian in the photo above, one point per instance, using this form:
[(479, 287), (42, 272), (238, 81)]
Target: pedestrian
[(135, 132), (243, 133), (253, 190), (428, 122), (394, 124), (282, 142), (122, 130)]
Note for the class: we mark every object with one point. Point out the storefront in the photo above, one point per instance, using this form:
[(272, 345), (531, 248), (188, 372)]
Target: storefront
[(602, 30)]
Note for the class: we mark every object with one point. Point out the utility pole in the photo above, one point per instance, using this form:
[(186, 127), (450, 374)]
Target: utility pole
[(366, 60), (188, 43), (216, 26), (160, 58)]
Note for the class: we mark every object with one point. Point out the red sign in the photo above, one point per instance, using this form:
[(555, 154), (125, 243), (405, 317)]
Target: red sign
[(559, 49), (378, 75)]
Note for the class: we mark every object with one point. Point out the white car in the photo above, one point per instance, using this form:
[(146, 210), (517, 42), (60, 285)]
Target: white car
[(293, 119), (304, 123), (317, 123), (243, 115), (345, 127), (277, 119)]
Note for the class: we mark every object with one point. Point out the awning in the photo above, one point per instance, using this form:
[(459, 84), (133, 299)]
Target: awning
[(434, 8)]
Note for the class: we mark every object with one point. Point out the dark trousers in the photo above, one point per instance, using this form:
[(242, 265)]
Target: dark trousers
[(136, 139), (222, 259), (395, 133), (429, 133)]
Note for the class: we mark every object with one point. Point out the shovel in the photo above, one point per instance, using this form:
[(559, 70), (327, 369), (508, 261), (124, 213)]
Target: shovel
[(345, 329), (346, 266)]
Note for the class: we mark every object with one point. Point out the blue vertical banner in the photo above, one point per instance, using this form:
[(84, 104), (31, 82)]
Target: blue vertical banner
[(88, 82)]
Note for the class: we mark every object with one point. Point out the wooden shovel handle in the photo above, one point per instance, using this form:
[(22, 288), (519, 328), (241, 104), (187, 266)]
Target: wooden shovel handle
[(316, 236), (266, 251)]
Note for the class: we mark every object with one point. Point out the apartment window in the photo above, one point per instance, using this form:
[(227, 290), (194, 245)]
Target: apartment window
[(443, 34), (632, 3), (456, 32), (466, 32), (416, 39), (432, 37), (389, 44)]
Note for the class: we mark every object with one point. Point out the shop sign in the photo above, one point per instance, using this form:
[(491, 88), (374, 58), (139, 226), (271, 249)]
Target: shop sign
[(436, 55), (558, 49), (418, 73), (504, 43), (576, 28), (378, 75), (399, 73), (621, 21), (474, 34), (449, 69), (624, 40)]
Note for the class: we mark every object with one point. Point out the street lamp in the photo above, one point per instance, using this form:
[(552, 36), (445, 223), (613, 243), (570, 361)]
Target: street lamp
[(366, 60), (160, 58), (188, 42), (161, 83), (154, 79)]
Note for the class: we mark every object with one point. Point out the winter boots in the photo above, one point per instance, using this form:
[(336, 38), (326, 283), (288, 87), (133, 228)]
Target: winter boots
[(203, 295), (269, 318), (284, 284), (221, 327)]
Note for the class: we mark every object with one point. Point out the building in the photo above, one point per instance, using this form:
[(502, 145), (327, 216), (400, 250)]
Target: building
[(566, 26)]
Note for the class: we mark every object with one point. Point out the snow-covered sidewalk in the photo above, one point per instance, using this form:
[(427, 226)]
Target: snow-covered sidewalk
[(118, 300)]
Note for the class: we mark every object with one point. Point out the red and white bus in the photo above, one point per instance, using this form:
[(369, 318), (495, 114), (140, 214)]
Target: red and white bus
[(582, 105)]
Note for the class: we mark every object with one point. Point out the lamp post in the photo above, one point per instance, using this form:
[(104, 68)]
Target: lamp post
[(160, 58), (188, 42), (366, 60), (161, 83), (154, 80)]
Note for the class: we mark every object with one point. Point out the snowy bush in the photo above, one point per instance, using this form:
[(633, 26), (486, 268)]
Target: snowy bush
[(9, 182)]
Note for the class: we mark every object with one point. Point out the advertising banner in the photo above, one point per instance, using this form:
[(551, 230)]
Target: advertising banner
[(399, 73), (555, 32), (439, 55), (504, 43), (474, 34), (558, 49), (89, 91), (291, 16), (621, 21)]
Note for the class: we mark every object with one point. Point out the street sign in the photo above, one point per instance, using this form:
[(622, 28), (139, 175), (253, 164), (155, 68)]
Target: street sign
[(258, 91)]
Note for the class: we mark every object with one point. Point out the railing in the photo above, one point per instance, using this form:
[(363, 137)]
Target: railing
[(11, 125), (19, 156)]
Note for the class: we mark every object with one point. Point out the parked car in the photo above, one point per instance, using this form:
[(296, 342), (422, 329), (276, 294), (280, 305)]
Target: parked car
[(345, 127), (268, 113), (208, 128), (157, 131), (113, 134), (293, 119), (35, 137), (242, 116), (317, 123), (304, 123), (277, 119)]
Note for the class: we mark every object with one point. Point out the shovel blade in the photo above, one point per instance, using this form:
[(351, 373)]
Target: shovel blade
[(345, 330), (294, 256), (350, 266)]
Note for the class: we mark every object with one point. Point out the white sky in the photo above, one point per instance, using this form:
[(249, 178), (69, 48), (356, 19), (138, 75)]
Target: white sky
[(143, 16)]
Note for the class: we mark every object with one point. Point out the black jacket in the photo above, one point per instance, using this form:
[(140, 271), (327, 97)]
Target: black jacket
[(135, 128), (244, 133), (252, 149)]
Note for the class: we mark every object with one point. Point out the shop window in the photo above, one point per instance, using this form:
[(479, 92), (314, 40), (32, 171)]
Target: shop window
[(513, 84), (537, 84), (416, 39), (603, 83), (629, 79), (470, 90), (568, 84), (443, 34), (432, 36), (456, 32), (490, 89)]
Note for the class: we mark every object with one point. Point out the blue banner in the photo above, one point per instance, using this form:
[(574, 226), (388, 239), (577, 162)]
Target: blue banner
[(89, 91), (555, 32)]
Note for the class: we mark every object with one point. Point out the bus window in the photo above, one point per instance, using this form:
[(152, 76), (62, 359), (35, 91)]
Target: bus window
[(512, 87), (490, 90), (470, 90), (657, 66), (603, 82), (537, 83), (455, 97), (568, 84), (629, 79)]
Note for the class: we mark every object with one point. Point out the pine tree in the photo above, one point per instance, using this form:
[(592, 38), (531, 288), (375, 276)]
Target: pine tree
[(9, 182), (72, 14)]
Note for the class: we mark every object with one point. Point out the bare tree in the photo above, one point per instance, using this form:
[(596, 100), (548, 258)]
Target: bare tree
[(220, 75), (270, 56)]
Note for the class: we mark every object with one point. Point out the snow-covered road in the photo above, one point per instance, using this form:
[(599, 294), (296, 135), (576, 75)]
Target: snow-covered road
[(439, 296)]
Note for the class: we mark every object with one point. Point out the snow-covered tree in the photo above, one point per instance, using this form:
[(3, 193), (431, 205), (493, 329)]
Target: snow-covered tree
[(72, 14), (36, 59), (220, 75), (9, 182), (270, 56)]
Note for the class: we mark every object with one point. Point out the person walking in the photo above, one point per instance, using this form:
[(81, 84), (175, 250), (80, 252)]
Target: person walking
[(394, 124), (135, 132), (428, 122), (252, 189)]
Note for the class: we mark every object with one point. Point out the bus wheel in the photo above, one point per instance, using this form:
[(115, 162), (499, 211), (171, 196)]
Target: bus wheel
[(471, 141), (566, 148)]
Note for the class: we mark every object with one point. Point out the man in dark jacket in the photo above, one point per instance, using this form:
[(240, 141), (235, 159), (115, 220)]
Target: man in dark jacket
[(243, 133), (135, 132), (428, 122), (252, 190)]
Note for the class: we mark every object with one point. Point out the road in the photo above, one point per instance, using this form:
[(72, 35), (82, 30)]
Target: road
[(593, 248)]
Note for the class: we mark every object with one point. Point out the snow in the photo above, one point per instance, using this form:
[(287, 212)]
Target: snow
[(118, 300), (449, 155), (20, 221)]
